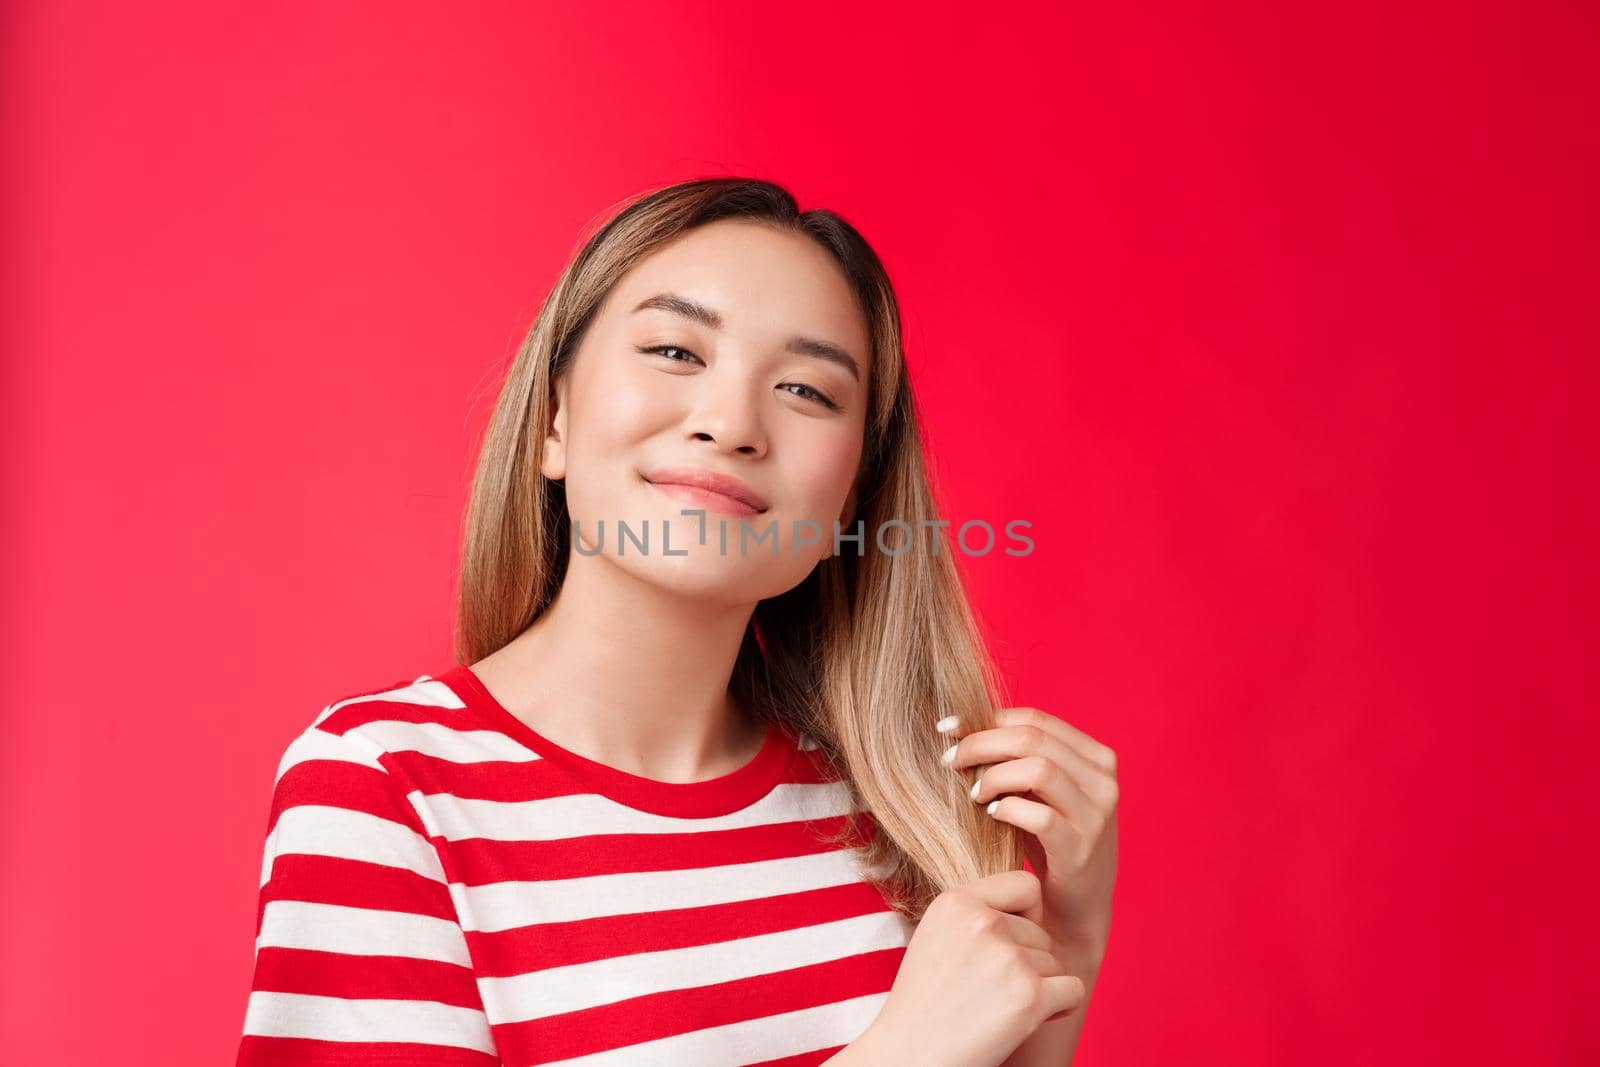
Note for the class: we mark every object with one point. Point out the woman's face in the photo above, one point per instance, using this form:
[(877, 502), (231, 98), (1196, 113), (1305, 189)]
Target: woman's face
[(742, 320)]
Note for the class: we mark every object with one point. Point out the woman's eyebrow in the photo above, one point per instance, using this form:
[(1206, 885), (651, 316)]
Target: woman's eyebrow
[(698, 312)]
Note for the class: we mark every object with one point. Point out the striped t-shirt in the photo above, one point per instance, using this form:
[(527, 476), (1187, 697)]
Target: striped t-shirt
[(443, 885)]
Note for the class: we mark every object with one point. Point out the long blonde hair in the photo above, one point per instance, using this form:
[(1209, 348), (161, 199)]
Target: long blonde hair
[(867, 652)]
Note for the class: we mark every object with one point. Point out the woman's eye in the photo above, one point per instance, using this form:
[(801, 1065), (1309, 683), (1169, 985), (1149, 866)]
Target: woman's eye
[(808, 393), (819, 396), (664, 349)]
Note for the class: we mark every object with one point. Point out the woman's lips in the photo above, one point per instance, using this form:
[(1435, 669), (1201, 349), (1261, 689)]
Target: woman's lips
[(705, 498)]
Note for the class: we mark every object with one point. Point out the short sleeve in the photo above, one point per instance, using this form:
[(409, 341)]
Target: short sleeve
[(359, 955)]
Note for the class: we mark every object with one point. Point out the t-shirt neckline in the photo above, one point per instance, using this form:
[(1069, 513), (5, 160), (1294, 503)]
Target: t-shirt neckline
[(722, 795)]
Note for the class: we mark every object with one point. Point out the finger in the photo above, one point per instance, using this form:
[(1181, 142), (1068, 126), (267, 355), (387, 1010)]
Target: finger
[(1028, 934), (1048, 783), (1043, 962), (1096, 753), (1062, 841), (1064, 994), (1016, 892), (1001, 743)]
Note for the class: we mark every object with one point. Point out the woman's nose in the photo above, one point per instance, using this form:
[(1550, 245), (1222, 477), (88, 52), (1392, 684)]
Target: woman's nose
[(726, 412)]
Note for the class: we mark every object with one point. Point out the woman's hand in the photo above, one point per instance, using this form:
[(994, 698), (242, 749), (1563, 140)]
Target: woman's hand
[(1060, 786), (978, 978)]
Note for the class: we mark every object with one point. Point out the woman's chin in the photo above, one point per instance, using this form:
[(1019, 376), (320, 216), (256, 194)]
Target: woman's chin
[(703, 573)]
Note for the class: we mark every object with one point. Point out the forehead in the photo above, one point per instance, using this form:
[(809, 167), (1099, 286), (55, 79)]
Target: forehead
[(762, 281)]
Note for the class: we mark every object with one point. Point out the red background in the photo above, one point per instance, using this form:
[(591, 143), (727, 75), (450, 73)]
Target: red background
[(1277, 325)]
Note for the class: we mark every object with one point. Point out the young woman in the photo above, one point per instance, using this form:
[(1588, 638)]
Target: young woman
[(722, 773)]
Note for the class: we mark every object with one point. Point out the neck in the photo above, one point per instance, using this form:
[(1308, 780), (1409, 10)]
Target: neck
[(631, 674)]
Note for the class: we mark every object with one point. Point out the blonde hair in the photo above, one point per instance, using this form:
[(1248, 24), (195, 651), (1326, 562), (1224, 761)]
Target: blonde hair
[(866, 653)]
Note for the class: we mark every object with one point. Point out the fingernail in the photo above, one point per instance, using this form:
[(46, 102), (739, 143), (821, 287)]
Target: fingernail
[(995, 803), (976, 782), (946, 724), (949, 756)]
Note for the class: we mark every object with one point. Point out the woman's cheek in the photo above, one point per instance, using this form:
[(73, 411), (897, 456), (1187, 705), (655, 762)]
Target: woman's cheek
[(828, 467), (631, 405)]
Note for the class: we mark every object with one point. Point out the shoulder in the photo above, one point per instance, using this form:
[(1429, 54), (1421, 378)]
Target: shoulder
[(347, 747), (365, 725), (337, 782)]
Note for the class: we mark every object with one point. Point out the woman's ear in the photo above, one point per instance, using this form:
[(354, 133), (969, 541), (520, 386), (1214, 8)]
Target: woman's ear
[(553, 463)]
